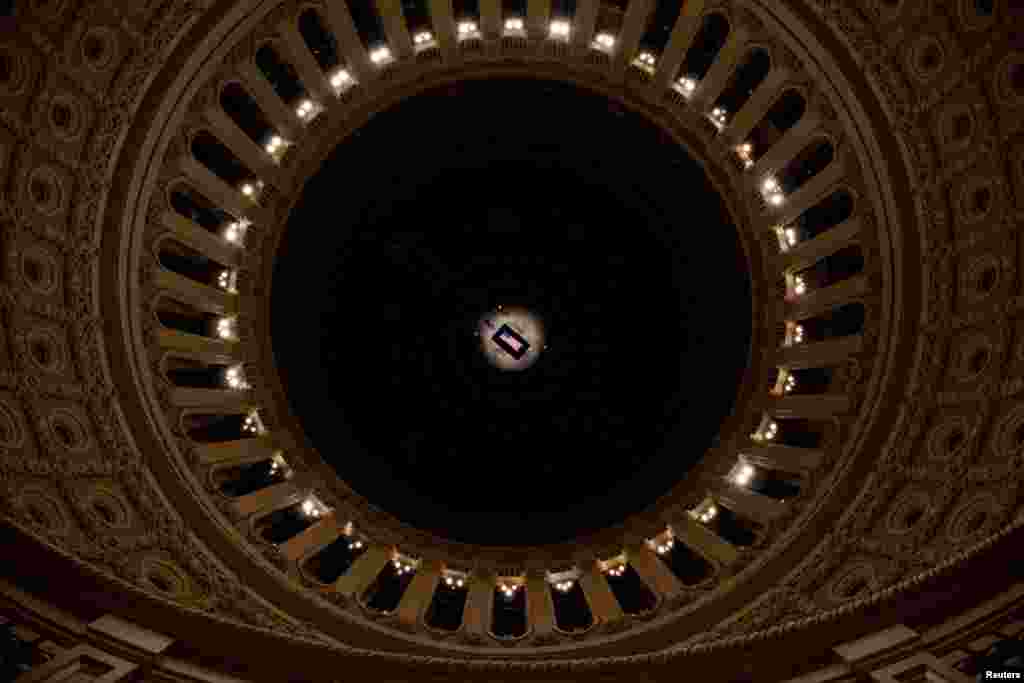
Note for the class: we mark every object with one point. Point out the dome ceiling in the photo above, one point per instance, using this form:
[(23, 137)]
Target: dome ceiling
[(524, 193)]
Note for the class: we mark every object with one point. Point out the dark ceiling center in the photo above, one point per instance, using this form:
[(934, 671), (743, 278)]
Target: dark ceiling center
[(526, 193)]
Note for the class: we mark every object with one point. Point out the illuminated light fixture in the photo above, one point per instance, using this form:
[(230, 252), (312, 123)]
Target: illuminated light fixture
[(252, 424), (559, 28), (604, 41), (790, 384), (274, 145), (617, 570), (646, 58), (355, 545), (771, 430), (718, 117), (790, 234), (312, 508), (305, 110), (423, 37), (798, 334), (513, 24), (709, 514), (248, 189), (234, 378), (746, 154), (235, 230), (687, 85), (380, 55), (743, 476), (226, 328), (508, 590), (454, 581), (467, 28), (565, 586), (772, 191), (340, 79), (666, 546), (799, 285)]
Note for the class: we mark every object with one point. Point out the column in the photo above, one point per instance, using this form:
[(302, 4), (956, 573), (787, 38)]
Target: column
[(220, 193), (212, 399), (820, 354), (203, 297), (256, 448), (538, 18), (476, 616), (442, 17), (747, 504), (281, 116), (683, 33), (241, 145), (202, 240), (540, 607), (792, 143), (490, 19), (809, 252), (751, 113), (344, 29), (817, 301), (812, 407), (273, 497), (419, 592), (655, 573), (810, 193), (702, 540), (583, 25), (193, 343), (633, 25), (714, 82), (603, 604), (297, 53), (363, 571), (319, 535), (783, 458), (395, 29)]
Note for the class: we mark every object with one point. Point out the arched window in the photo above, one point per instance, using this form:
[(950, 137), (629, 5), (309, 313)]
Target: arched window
[(563, 10), (194, 373), (631, 592), (514, 9), (781, 116), (466, 12), (285, 523), (837, 322), (836, 267), (209, 152), (368, 23), (417, 16), (243, 110), (447, 604), (572, 613), (768, 482), (281, 75), (811, 161), (703, 52), (828, 213), (185, 261), (335, 559), (733, 528), (241, 480), (798, 432), (216, 427), (609, 22), (659, 26), (198, 209), (508, 619), (320, 41), (386, 591), (744, 81), (808, 381), (182, 317), (688, 566)]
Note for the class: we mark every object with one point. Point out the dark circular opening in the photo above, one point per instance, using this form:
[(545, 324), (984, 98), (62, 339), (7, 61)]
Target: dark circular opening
[(931, 57), (42, 353), (40, 190), (981, 200), (35, 272), (962, 127), (105, 513), (987, 279), (6, 67), (978, 361), (521, 193), (61, 115), (94, 48), (955, 441), (1018, 435)]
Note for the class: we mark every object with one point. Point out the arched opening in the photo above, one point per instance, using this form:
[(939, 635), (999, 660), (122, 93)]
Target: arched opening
[(467, 12), (182, 259), (247, 115), (781, 116), (281, 75), (283, 524), (609, 21), (243, 479), (207, 428), (513, 9), (386, 591), (688, 566), (703, 52), (321, 42), (798, 432), (771, 483), (812, 160), (335, 559), (508, 618), (828, 213), (808, 381), (630, 590), (182, 317), (836, 267), (572, 612), (744, 81), (732, 528), (195, 207), (447, 604), (838, 322), (659, 26), (194, 373), (563, 10), (220, 161), (368, 23)]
